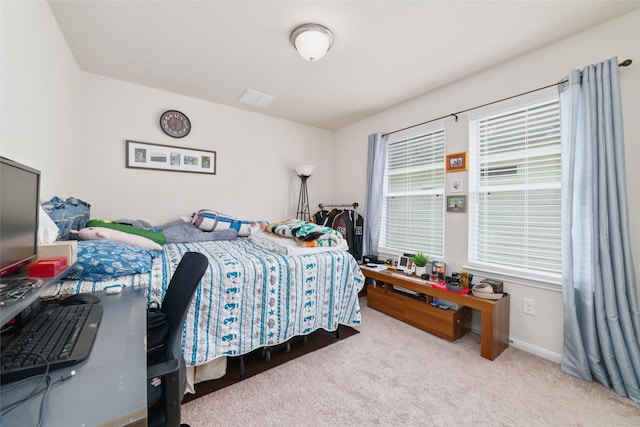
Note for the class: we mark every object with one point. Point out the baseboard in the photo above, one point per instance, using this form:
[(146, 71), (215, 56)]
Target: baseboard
[(529, 348), (538, 351)]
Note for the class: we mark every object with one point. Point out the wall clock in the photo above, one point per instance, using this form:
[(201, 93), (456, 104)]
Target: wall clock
[(175, 124)]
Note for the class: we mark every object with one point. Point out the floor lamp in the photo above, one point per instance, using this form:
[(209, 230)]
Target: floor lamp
[(304, 172)]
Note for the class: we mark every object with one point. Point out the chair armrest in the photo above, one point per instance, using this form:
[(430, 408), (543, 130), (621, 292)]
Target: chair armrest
[(162, 369)]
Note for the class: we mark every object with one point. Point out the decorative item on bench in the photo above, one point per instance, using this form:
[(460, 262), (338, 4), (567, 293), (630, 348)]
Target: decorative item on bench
[(420, 260), (485, 290), (459, 282), (495, 284), (466, 278), (437, 273), (405, 264)]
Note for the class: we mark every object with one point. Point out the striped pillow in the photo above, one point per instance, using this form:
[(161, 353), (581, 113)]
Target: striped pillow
[(208, 220)]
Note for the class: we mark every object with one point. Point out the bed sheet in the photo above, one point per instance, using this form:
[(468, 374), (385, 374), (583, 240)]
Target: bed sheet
[(250, 296)]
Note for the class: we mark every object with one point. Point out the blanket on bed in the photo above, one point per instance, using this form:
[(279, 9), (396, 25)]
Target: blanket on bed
[(306, 233), (250, 297), (290, 246)]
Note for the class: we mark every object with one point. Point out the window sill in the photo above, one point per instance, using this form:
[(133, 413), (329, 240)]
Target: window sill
[(550, 284)]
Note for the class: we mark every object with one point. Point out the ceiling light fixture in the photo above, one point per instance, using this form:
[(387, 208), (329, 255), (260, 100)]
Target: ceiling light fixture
[(312, 41)]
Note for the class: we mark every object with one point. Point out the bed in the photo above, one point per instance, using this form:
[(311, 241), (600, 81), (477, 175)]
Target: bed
[(251, 297)]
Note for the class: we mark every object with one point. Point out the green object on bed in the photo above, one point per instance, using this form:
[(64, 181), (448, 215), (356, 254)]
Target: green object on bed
[(156, 236)]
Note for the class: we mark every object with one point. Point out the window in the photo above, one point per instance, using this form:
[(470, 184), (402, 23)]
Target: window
[(514, 179), (413, 202)]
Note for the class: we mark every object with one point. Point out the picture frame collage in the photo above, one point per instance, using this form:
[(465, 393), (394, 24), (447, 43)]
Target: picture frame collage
[(145, 155), (456, 199)]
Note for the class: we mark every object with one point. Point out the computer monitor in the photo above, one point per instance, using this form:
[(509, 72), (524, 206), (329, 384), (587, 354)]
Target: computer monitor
[(19, 206)]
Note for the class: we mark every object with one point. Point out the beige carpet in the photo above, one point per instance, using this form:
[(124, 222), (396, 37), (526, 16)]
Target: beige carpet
[(392, 374)]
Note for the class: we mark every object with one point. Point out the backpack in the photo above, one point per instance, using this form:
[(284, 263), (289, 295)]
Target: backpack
[(157, 329)]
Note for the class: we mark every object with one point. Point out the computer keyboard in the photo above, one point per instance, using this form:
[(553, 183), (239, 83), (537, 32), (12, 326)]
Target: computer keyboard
[(58, 336)]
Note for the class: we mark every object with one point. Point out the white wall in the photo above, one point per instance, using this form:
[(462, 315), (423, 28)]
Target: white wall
[(38, 114), (73, 125), (621, 37), (256, 155)]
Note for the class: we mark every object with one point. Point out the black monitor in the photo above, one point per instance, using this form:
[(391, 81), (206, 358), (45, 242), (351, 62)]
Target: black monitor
[(19, 206)]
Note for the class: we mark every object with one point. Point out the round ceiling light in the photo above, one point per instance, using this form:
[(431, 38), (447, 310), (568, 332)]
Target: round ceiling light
[(312, 41)]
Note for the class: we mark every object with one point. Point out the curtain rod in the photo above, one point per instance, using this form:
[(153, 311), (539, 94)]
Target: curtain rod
[(624, 63)]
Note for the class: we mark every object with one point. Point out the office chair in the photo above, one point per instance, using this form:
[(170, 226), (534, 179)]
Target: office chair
[(164, 409)]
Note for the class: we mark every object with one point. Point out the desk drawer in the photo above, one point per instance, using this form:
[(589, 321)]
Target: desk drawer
[(385, 301), (448, 324)]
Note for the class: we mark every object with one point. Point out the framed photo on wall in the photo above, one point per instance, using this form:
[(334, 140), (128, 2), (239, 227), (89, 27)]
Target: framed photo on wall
[(144, 155), (456, 203), (457, 162), (456, 186)]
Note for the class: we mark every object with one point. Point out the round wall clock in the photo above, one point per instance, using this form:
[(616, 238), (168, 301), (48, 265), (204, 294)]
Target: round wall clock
[(175, 124)]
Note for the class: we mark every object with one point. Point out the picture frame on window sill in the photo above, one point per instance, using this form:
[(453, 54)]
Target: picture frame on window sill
[(456, 203), (145, 155), (457, 162)]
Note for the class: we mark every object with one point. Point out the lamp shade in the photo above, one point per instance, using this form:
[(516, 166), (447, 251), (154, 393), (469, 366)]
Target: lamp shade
[(304, 170), (312, 41)]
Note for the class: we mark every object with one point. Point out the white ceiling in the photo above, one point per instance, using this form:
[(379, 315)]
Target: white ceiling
[(385, 52)]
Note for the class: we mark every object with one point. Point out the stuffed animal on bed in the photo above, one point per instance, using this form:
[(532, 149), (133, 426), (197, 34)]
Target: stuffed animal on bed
[(101, 233)]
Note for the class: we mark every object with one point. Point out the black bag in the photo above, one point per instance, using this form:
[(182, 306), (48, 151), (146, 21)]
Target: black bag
[(157, 329)]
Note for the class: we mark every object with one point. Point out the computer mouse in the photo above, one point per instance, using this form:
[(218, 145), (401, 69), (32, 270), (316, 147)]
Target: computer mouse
[(77, 299)]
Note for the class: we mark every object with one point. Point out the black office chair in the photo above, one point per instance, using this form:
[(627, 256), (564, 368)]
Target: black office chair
[(164, 410)]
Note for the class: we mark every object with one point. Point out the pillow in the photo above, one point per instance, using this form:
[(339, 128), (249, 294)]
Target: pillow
[(70, 214), (105, 259), (156, 236), (100, 233), (208, 220), (179, 231)]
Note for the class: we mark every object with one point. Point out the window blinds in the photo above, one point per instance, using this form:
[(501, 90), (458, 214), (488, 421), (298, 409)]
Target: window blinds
[(515, 211), (413, 203)]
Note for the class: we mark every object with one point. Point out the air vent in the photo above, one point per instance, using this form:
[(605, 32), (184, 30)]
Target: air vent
[(256, 99)]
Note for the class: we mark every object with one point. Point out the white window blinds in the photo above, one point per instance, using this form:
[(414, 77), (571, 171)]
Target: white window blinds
[(514, 216), (413, 203)]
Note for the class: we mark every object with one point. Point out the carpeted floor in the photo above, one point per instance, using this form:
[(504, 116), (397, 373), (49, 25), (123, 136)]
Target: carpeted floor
[(255, 363), (392, 374)]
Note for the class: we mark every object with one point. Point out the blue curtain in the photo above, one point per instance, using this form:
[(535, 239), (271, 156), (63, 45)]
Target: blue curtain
[(376, 159), (601, 317)]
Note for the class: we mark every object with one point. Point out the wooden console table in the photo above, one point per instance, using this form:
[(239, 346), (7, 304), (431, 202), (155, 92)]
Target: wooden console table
[(494, 333)]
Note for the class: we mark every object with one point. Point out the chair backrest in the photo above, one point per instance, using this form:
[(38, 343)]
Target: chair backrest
[(178, 297)]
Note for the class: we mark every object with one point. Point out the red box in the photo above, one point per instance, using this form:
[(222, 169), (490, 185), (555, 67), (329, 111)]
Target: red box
[(47, 267)]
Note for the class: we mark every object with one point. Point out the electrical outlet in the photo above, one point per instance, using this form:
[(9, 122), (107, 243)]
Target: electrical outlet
[(529, 306)]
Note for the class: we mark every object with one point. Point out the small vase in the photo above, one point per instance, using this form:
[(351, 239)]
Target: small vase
[(421, 270)]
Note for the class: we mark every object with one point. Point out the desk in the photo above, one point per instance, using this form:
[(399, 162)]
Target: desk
[(110, 386), (494, 332)]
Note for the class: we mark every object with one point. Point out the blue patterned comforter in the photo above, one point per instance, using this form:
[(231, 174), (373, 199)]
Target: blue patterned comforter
[(251, 297)]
